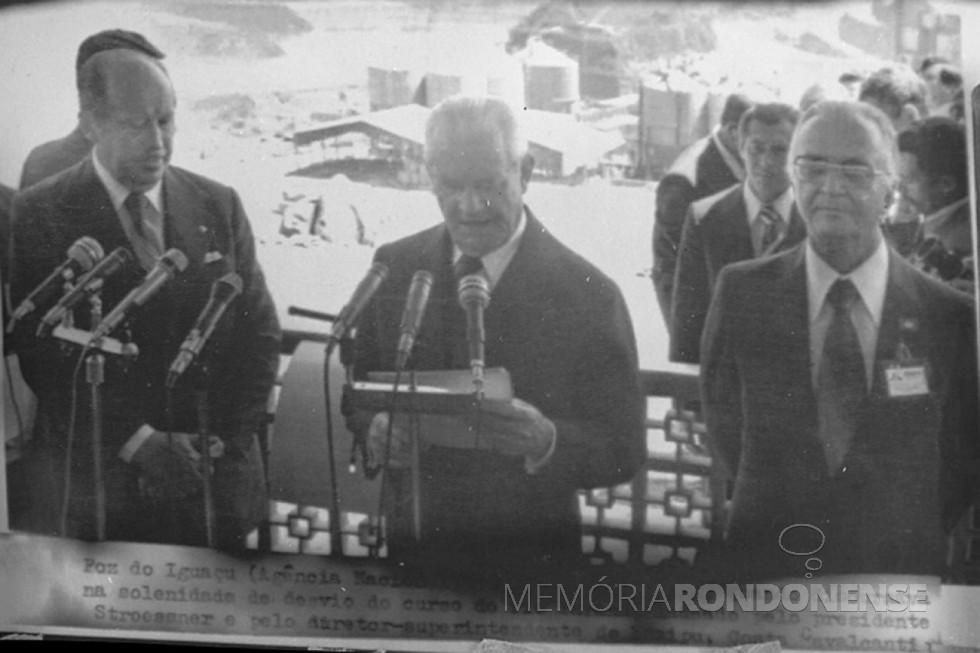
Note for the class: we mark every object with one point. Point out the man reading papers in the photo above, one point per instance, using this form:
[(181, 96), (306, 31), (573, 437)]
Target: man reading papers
[(558, 325)]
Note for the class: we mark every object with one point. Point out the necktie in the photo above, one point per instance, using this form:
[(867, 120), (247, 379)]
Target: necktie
[(841, 381), (456, 341), (467, 265), (772, 230), (145, 244)]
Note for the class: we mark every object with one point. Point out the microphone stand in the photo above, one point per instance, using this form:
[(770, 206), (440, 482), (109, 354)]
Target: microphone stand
[(95, 377), (414, 429), (347, 360), (204, 433)]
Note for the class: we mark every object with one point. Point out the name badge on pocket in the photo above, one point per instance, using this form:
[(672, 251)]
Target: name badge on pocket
[(906, 379)]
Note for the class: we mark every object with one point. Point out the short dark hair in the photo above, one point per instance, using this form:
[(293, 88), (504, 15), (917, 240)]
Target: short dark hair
[(939, 147), (113, 39), (771, 113), (894, 88), (950, 77), (735, 105)]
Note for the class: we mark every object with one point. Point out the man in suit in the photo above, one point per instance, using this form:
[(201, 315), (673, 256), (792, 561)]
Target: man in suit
[(557, 324), (935, 184), (754, 219), (127, 195), (710, 165), (62, 153), (839, 384)]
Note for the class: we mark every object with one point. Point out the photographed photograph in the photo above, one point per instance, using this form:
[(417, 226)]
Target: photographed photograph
[(494, 325)]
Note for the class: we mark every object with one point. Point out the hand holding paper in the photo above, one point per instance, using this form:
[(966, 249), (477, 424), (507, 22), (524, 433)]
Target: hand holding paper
[(515, 428)]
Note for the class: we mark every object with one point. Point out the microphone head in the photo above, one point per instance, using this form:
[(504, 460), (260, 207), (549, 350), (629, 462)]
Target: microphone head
[(117, 258), (86, 251), (174, 259), (474, 289), (380, 270), (228, 286), (422, 281)]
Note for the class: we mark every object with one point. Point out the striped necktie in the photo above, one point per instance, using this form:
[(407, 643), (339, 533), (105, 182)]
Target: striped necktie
[(772, 230)]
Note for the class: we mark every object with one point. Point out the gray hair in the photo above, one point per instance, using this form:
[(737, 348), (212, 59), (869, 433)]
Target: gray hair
[(843, 110), (467, 115)]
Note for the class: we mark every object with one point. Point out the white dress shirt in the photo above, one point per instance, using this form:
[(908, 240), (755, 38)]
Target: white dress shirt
[(870, 279)]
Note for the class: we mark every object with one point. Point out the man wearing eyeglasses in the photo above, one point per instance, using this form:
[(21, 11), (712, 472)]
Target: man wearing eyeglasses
[(839, 384), (756, 218)]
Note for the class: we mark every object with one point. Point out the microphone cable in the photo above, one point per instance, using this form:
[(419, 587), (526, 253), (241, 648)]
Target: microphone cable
[(376, 548), (72, 427), (336, 545)]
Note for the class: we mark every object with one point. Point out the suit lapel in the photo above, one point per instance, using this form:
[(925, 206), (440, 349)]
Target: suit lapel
[(790, 305), (89, 209), (795, 231), (899, 307), (188, 225), (732, 239)]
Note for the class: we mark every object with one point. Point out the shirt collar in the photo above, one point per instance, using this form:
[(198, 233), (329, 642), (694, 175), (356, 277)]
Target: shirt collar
[(932, 222), (782, 204), (497, 261), (870, 278), (118, 193), (731, 160)]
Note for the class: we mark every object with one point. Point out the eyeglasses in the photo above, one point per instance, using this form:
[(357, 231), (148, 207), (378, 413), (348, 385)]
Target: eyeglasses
[(853, 177)]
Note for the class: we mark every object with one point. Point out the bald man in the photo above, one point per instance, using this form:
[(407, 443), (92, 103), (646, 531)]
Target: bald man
[(126, 194)]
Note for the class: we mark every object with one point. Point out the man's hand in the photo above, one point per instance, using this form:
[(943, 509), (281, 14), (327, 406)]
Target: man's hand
[(173, 467), (516, 429), (377, 437)]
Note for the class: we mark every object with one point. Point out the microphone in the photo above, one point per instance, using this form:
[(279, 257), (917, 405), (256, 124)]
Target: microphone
[(415, 303), (82, 257), (363, 293), (105, 268), (474, 296), (172, 262), (223, 292)]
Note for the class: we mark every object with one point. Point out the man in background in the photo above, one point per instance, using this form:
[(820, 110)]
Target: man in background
[(754, 219), (57, 155), (839, 384), (935, 183), (898, 93), (706, 167)]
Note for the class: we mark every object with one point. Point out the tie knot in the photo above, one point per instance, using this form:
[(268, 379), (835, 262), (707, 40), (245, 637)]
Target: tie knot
[(768, 215), (134, 204), (842, 295), (467, 265)]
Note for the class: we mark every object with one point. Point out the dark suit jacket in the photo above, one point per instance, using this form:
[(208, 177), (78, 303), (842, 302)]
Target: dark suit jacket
[(714, 236), (204, 220), (561, 328), (914, 464), (675, 193), (50, 158)]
